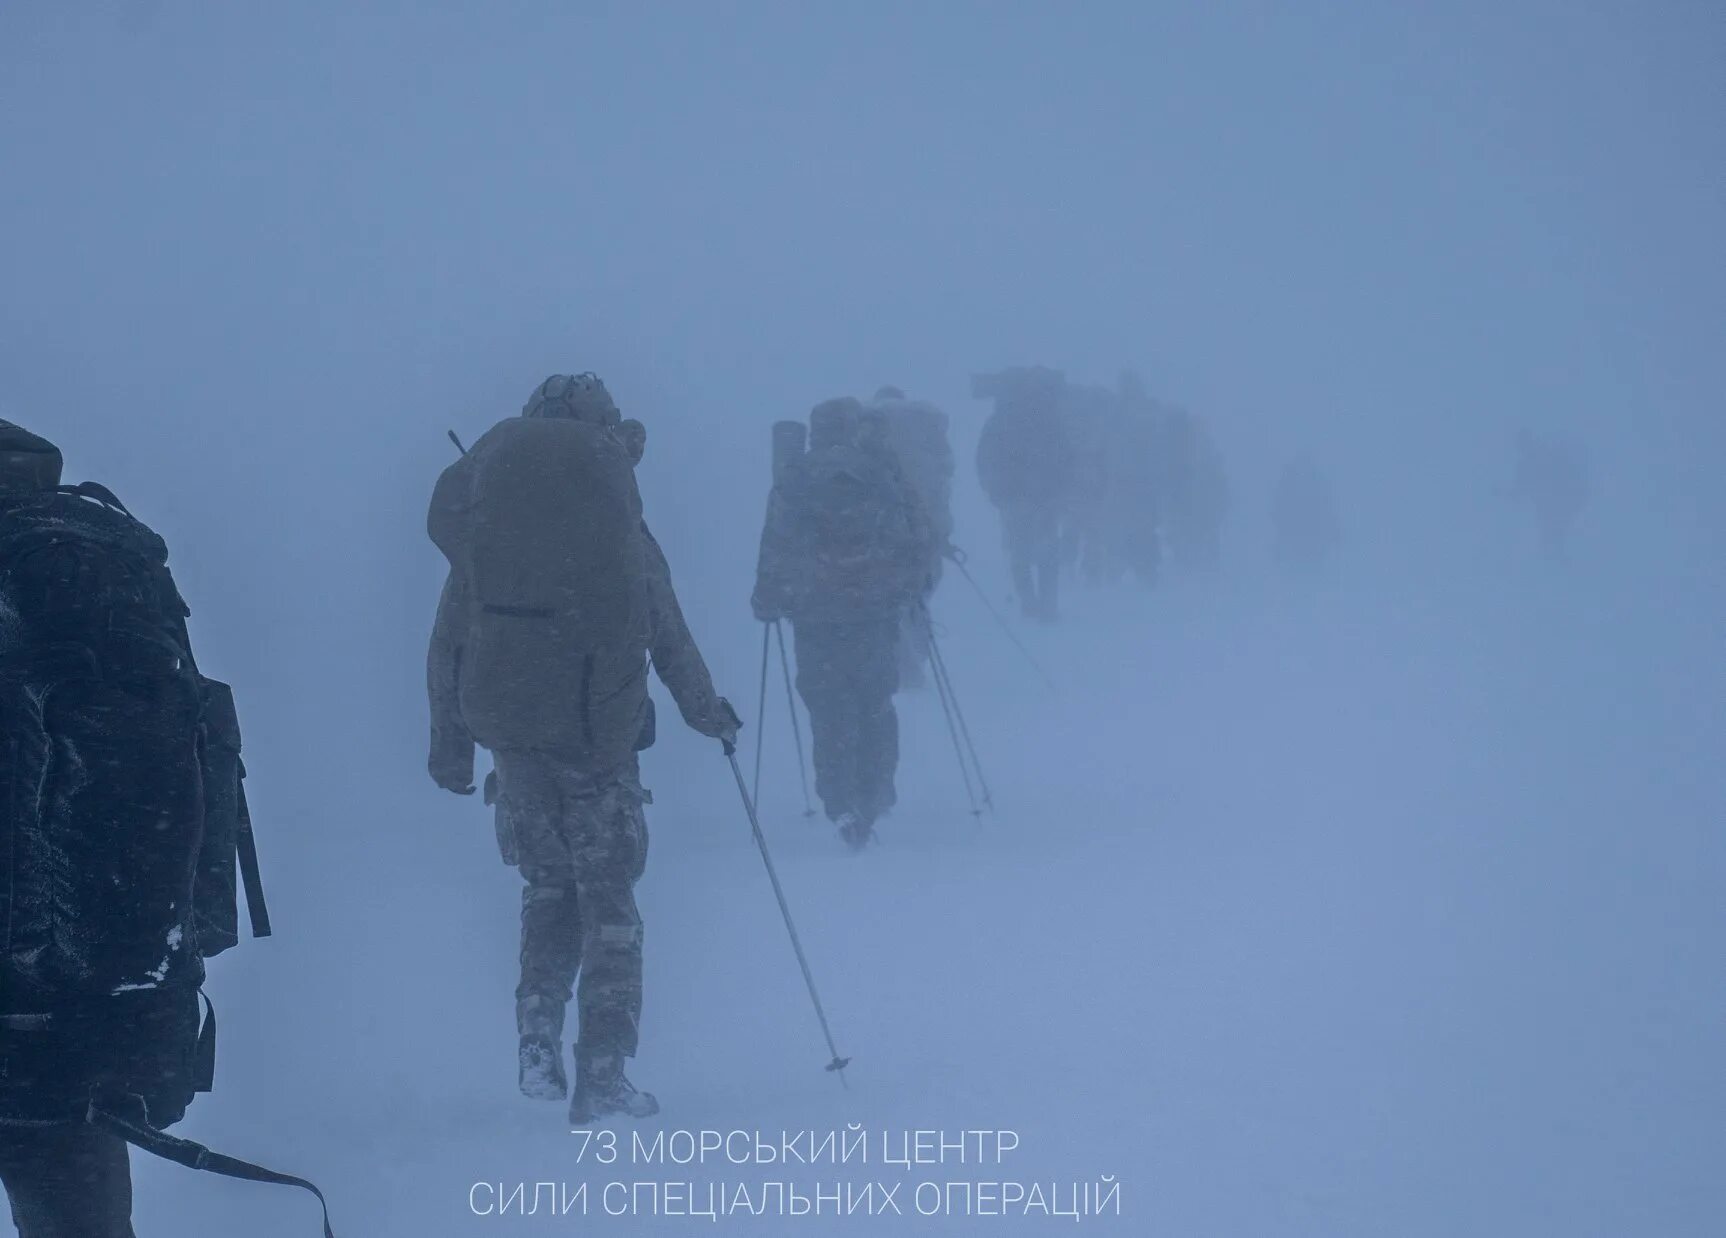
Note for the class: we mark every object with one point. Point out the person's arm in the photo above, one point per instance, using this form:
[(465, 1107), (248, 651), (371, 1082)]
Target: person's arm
[(451, 762), (676, 660)]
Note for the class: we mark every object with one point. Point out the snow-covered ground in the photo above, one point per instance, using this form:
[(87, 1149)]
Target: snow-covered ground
[(1388, 905), (1324, 910)]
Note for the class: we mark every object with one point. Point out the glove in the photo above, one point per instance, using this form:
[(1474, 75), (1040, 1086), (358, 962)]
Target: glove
[(451, 765), (726, 724), (763, 612), (456, 785)]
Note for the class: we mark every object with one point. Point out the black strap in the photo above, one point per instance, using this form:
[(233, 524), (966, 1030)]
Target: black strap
[(196, 1156), (96, 491), (247, 844), (520, 612), (204, 1056)]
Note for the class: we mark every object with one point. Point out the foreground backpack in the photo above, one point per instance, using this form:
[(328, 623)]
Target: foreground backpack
[(541, 524), (124, 831)]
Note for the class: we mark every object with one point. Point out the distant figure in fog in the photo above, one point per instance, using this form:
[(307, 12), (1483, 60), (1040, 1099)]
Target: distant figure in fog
[(1550, 475), (846, 552), (1305, 525), (1195, 491), (1135, 500), (917, 433), (1027, 462), (1089, 546)]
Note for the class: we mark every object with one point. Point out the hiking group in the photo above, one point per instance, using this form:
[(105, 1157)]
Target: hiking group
[(126, 837)]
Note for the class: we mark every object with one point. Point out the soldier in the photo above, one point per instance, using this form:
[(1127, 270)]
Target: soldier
[(1135, 495), (1195, 491), (845, 552), (556, 596), (1089, 537), (1027, 462)]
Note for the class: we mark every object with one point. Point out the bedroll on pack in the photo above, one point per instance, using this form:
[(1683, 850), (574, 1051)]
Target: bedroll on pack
[(542, 522)]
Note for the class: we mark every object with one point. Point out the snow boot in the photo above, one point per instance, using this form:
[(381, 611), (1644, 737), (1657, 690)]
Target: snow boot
[(541, 1069), (855, 831), (539, 1023), (602, 1090)]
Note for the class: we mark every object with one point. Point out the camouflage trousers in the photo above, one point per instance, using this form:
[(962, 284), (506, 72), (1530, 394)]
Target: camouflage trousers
[(580, 841), (847, 674)]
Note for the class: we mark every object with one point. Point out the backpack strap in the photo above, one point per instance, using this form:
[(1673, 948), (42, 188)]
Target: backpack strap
[(94, 491), (204, 1055), (249, 874), (140, 1134)]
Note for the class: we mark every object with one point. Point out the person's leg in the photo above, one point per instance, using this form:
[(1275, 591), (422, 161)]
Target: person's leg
[(608, 837), (608, 840), (820, 682), (875, 680), (551, 945), (551, 938), (1048, 559), (70, 1181), (1017, 532)]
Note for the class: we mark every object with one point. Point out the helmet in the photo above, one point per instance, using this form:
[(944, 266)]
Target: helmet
[(580, 397)]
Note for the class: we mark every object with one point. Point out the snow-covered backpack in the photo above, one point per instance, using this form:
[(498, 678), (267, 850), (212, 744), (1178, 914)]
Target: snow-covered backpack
[(862, 537), (124, 831)]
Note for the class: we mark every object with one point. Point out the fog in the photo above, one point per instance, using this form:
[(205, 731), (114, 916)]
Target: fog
[(1388, 902)]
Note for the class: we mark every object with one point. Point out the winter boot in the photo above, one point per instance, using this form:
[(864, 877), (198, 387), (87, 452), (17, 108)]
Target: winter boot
[(603, 1091), (541, 1069), (856, 832), (539, 1020)]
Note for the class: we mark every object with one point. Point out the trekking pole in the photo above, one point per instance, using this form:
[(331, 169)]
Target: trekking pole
[(761, 711), (796, 727), (457, 442), (952, 729), (942, 676), (838, 1064), (1003, 624)]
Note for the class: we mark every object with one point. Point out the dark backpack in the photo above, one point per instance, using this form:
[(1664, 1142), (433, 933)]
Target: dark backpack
[(541, 521), (124, 831)]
